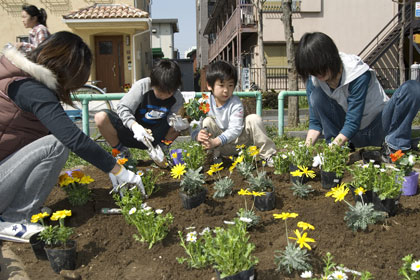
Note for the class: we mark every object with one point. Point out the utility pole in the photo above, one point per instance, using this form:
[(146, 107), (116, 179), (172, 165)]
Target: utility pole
[(260, 43)]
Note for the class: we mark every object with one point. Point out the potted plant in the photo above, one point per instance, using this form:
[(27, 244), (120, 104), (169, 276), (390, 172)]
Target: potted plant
[(37, 244), (300, 155), (261, 183), (231, 252), (222, 186), (75, 185), (249, 214), (192, 191), (405, 162), (332, 162), (302, 189), (61, 251), (196, 110)]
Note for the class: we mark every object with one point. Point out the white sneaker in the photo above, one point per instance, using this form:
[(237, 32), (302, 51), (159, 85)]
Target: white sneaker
[(269, 162), (18, 232)]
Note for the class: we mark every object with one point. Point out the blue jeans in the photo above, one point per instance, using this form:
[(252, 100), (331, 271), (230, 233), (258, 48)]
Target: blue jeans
[(27, 177), (393, 125)]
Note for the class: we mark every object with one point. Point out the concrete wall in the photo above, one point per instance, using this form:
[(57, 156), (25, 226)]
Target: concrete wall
[(163, 38)]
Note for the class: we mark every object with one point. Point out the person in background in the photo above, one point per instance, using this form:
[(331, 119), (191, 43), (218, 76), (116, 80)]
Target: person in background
[(347, 103), (225, 127), (147, 113), (35, 132), (36, 19)]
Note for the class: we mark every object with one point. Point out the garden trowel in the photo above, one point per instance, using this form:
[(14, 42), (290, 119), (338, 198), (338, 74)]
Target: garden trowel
[(156, 154)]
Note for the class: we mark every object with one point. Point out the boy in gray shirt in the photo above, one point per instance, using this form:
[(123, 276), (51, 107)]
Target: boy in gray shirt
[(224, 127)]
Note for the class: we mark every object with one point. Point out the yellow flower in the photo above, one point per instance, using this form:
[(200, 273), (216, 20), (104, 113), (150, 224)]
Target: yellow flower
[(122, 161), (360, 191), (240, 159), (302, 239), (35, 218), (188, 154), (174, 155), (244, 192), (285, 215), (215, 168), (296, 173), (86, 180), (253, 151), (65, 180), (232, 166), (305, 226), (77, 174), (338, 192), (60, 215), (240, 146), (258, 193), (178, 170), (308, 173)]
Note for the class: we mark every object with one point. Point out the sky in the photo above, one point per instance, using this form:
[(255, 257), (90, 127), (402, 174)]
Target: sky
[(184, 11)]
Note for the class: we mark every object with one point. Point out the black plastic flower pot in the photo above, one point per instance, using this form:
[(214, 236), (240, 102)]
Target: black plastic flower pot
[(38, 247), (367, 196), (296, 179), (190, 202), (243, 275), (388, 205), (329, 180), (265, 202), (62, 258)]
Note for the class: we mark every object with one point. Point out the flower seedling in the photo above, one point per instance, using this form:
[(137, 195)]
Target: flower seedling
[(333, 158), (197, 109), (194, 246), (57, 235), (192, 182), (223, 186), (410, 269), (404, 161), (76, 187), (299, 188), (361, 214), (249, 213), (294, 257), (149, 179)]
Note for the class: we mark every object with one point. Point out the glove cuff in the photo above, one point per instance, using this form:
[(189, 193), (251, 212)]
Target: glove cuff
[(121, 169)]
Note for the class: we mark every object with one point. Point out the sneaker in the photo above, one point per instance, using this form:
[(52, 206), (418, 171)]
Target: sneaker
[(18, 232), (269, 162), (386, 152), (124, 153)]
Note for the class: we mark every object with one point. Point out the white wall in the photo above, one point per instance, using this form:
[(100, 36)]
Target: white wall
[(163, 38)]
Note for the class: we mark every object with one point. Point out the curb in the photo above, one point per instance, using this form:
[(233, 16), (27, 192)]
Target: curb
[(11, 267)]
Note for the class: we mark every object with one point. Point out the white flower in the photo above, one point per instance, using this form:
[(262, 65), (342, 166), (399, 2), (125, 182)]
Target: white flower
[(130, 166), (365, 165), (132, 211), (411, 159), (148, 213), (206, 229), (415, 266), (382, 170), (190, 228), (158, 211), (306, 275), (229, 222), (371, 160), (284, 156), (147, 208), (376, 166), (192, 236), (339, 275), (143, 205), (140, 173), (245, 219)]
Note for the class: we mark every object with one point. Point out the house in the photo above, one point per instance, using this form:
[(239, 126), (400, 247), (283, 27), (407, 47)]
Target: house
[(117, 34), (163, 31), (232, 30)]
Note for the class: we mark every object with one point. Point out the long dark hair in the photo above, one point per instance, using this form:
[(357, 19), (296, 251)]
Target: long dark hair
[(33, 11), (317, 54), (68, 57)]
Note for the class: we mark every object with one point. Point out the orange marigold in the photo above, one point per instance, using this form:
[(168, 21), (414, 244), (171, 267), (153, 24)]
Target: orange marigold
[(396, 156), (204, 107), (122, 161), (115, 152)]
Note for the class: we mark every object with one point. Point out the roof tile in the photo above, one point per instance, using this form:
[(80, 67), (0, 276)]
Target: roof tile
[(100, 11)]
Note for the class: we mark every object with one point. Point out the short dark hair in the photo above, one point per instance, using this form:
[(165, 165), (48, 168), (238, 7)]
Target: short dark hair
[(68, 57), (33, 11), (317, 54), (166, 76), (221, 70)]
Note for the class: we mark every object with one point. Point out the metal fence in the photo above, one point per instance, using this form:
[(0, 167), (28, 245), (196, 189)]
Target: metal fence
[(277, 78)]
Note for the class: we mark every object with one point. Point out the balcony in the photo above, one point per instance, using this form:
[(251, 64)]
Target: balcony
[(243, 19)]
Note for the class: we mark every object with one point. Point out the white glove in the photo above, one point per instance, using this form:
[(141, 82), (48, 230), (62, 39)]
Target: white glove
[(141, 134), (318, 160), (126, 176), (178, 123)]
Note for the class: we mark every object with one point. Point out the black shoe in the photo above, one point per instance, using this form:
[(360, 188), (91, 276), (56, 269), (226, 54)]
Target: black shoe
[(415, 144), (386, 152)]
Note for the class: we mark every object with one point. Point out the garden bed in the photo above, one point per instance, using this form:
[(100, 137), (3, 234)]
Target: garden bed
[(107, 250)]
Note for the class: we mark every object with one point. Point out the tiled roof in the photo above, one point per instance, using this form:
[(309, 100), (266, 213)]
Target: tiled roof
[(107, 11)]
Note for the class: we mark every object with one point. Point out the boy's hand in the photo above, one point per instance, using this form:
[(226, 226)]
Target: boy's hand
[(211, 143)]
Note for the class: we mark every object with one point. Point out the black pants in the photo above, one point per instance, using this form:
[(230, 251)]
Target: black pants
[(126, 136)]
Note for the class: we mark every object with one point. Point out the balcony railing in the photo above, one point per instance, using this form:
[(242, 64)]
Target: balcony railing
[(244, 16)]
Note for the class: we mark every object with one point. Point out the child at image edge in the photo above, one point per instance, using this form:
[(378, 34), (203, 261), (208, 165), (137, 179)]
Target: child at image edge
[(224, 127)]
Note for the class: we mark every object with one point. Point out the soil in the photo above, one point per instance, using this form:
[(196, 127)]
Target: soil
[(107, 250)]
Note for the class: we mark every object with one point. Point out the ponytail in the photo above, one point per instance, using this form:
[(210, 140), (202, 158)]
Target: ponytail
[(33, 11)]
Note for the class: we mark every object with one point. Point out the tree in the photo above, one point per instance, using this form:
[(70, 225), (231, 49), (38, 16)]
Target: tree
[(292, 77)]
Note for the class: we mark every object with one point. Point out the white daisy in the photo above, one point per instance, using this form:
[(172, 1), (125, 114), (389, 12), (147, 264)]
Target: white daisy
[(411, 159), (245, 219), (229, 222), (339, 275), (206, 229), (376, 166), (306, 275), (415, 266), (132, 211), (159, 211), (192, 236)]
